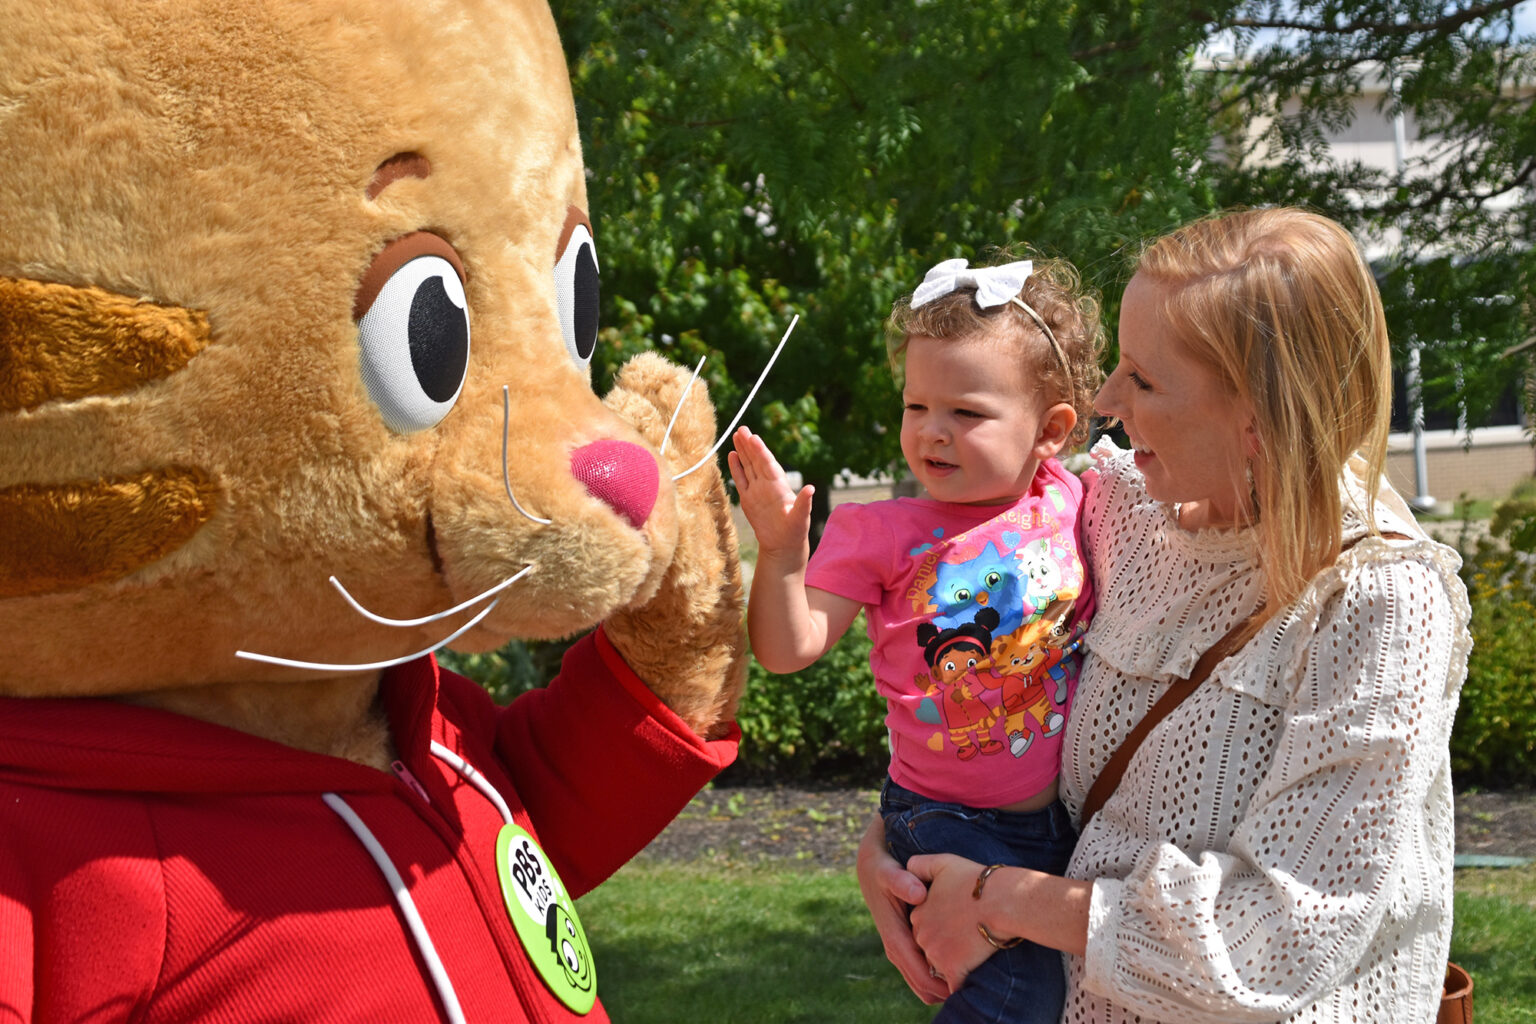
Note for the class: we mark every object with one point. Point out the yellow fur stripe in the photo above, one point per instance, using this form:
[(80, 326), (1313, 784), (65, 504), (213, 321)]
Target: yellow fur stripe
[(62, 342), (56, 537)]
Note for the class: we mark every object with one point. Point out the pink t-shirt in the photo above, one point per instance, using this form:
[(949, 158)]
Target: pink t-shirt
[(976, 612)]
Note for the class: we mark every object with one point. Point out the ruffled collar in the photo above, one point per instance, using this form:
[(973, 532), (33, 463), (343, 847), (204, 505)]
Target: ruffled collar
[(1208, 543), (1167, 594)]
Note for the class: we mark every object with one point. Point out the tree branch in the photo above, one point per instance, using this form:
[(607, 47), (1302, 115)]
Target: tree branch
[(1439, 26)]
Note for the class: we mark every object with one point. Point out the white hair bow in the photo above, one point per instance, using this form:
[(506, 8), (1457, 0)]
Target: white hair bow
[(994, 285)]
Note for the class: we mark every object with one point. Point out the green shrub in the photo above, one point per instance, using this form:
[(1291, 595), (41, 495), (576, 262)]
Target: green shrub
[(825, 721), (1494, 742), (517, 667)]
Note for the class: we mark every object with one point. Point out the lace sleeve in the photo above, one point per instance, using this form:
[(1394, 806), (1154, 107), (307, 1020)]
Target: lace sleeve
[(1341, 844)]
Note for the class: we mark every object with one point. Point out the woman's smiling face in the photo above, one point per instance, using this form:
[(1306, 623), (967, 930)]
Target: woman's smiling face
[(1191, 434)]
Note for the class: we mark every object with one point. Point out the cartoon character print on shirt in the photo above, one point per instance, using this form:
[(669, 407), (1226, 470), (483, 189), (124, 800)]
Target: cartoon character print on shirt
[(1021, 666), (1015, 577), (1022, 592), (989, 580), (1045, 576), (953, 690)]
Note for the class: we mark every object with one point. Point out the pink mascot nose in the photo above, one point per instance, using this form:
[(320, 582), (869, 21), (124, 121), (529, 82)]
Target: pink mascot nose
[(621, 474)]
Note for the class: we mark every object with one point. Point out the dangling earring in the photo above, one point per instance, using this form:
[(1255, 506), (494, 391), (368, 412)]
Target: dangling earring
[(1253, 491)]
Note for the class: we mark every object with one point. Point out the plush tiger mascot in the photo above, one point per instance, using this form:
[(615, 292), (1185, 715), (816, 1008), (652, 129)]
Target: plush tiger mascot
[(297, 302)]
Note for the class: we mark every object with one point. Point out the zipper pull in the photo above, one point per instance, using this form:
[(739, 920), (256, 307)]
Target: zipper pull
[(404, 775)]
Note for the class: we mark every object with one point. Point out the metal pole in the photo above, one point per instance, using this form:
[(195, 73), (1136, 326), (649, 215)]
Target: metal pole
[(1422, 501)]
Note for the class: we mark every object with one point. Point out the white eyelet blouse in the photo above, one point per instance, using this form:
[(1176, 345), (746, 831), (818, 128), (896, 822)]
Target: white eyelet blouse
[(1280, 847)]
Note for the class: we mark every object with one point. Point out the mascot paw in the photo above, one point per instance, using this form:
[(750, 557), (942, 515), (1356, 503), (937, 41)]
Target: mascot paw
[(687, 641)]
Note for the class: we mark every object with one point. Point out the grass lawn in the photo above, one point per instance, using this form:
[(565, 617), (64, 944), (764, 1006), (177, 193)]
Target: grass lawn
[(1495, 940), (778, 944), (736, 944)]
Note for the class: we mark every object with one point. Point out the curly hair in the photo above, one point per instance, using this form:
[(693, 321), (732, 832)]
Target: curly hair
[(1054, 290)]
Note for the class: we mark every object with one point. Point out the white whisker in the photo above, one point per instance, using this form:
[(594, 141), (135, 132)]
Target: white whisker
[(506, 420), (681, 399), (743, 410), (381, 620), (321, 666)]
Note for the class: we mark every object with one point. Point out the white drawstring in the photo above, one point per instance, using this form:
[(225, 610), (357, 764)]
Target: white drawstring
[(413, 921), (474, 778)]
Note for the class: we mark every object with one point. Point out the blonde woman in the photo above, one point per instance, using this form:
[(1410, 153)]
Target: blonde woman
[(1279, 845)]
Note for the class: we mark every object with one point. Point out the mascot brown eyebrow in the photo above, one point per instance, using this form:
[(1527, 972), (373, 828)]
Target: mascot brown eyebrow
[(266, 269)]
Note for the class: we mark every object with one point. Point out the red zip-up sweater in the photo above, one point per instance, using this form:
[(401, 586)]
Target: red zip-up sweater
[(157, 868)]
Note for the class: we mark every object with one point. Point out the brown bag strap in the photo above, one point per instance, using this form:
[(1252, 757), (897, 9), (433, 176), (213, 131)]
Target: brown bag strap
[(1234, 639), (1109, 778)]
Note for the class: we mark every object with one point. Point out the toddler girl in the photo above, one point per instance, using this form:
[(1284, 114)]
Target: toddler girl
[(975, 595)]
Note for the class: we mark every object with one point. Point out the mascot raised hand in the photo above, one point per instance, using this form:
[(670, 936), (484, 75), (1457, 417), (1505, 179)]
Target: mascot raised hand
[(297, 302)]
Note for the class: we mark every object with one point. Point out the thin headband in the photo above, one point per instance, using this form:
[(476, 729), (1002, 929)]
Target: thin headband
[(994, 286)]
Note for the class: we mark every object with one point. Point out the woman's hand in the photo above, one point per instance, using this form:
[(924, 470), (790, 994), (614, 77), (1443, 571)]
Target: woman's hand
[(1048, 910), (780, 517), (889, 892), (944, 926)]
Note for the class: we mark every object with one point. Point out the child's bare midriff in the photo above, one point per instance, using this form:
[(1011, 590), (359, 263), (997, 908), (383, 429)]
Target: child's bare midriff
[(1044, 798)]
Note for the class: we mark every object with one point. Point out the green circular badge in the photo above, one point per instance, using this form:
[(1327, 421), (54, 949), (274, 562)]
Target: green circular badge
[(545, 918)]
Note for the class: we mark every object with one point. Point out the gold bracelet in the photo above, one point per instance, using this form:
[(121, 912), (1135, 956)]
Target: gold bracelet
[(1007, 944), (981, 880)]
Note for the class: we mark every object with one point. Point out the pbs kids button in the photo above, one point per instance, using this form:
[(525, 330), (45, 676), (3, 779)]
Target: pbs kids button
[(545, 918)]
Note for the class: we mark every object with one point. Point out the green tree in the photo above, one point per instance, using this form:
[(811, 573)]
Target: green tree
[(755, 159), (1457, 223)]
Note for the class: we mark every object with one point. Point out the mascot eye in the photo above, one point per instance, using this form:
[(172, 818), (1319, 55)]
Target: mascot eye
[(993, 579), (413, 327), (577, 289), (962, 594)]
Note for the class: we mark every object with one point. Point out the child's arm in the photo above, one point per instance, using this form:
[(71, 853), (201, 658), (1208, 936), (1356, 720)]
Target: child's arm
[(790, 624)]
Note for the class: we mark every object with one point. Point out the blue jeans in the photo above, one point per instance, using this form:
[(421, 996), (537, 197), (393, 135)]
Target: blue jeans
[(1026, 983)]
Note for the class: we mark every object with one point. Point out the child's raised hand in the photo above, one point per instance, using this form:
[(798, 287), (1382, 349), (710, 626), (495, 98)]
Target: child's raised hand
[(780, 517)]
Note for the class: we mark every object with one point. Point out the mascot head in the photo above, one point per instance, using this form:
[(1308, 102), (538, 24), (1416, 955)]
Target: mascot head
[(300, 290)]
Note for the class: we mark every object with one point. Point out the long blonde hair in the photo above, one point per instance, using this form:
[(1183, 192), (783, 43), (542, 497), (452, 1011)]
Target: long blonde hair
[(1282, 306)]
